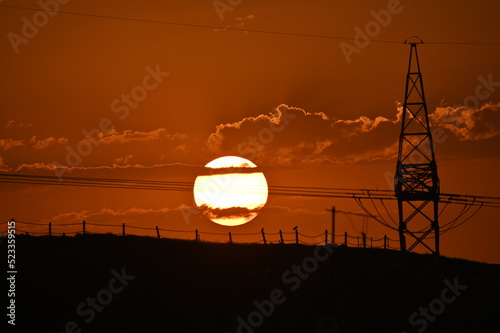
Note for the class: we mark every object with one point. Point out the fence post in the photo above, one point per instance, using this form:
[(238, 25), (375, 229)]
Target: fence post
[(364, 240), (197, 236), (345, 238), (326, 237), (230, 238), (296, 235), (50, 229), (385, 242), (263, 235), (84, 227), (123, 229), (158, 232), (281, 238)]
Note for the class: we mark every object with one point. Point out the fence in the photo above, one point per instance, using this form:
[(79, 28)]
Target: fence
[(280, 237)]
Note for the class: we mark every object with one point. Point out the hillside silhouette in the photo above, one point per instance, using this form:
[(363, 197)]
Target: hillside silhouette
[(187, 286)]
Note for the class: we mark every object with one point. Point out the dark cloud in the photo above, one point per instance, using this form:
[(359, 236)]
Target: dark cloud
[(6, 144), (290, 136), (229, 213), (469, 124)]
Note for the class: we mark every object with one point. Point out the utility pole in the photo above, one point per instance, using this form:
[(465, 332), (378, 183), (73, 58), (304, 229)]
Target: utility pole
[(333, 224), (416, 180)]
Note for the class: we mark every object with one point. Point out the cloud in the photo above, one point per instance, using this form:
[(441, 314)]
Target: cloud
[(357, 126), (36, 143), (127, 136), (107, 214), (292, 136), (70, 217), (13, 124), (53, 167), (44, 143), (381, 154), (263, 126), (181, 149), (3, 165), (123, 160), (280, 210), (215, 213), (469, 124), (6, 144), (240, 22)]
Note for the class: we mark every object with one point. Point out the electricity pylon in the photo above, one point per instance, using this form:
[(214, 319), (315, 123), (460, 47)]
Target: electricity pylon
[(416, 179)]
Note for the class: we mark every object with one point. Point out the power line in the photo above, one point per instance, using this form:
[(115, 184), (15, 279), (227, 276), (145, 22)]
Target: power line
[(204, 26), (214, 27), (357, 194), (188, 186), (307, 191), (462, 43)]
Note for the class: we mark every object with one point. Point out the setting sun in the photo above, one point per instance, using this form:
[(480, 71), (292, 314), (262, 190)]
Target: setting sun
[(231, 193)]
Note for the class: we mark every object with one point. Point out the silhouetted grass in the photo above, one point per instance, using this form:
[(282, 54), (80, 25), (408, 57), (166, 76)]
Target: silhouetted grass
[(187, 286)]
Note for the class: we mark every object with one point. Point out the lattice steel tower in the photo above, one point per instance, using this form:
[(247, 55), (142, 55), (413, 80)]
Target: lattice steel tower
[(416, 179)]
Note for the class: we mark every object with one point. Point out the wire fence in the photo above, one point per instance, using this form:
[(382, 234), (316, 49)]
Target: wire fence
[(262, 237)]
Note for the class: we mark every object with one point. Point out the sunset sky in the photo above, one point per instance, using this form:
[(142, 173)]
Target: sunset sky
[(163, 100)]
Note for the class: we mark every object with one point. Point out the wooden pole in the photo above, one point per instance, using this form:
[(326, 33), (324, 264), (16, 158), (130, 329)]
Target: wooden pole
[(197, 236), (230, 238), (84, 227), (364, 240), (263, 235), (50, 229), (333, 224), (158, 232), (326, 237), (123, 229), (296, 235), (281, 238)]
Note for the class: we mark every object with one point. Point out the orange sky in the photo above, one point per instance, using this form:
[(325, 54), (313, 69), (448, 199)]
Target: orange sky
[(296, 106)]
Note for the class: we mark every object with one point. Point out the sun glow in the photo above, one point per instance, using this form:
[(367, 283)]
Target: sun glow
[(231, 193)]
